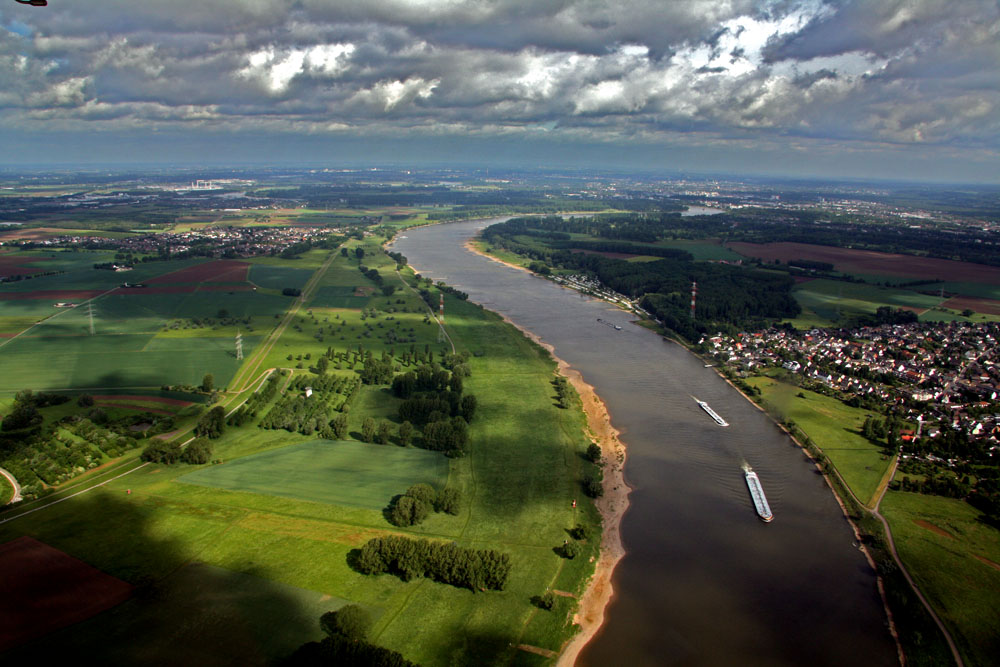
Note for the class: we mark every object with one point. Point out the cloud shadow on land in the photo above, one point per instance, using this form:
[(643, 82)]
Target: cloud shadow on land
[(181, 612)]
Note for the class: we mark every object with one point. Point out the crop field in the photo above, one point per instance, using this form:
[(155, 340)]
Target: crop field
[(955, 558), (703, 250), (323, 471), (830, 300), (871, 263), (131, 346), (200, 615), (278, 277), (51, 590), (834, 427), (84, 277)]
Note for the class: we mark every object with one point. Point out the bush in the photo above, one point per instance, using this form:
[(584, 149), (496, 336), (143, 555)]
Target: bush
[(85, 400), (592, 487), (448, 500), (161, 452), (580, 532), (545, 601), (198, 452), (407, 511), (570, 550), (351, 622)]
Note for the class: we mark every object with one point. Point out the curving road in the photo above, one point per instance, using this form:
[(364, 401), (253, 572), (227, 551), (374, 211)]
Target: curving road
[(13, 482)]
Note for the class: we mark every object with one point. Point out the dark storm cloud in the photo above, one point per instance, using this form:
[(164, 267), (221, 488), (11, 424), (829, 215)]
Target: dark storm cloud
[(583, 70)]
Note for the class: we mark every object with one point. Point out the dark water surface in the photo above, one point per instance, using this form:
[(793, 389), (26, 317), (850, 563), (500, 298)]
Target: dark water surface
[(704, 582)]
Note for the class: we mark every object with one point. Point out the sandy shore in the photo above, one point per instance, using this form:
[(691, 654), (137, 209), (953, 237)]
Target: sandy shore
[(612, 505)]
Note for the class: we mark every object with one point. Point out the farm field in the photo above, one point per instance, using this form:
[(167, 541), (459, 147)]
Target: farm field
[(341, 473), (51, 590), (871, 263), (518, 484), (825, 302), (955, 559), (834, 427), (179, 327)]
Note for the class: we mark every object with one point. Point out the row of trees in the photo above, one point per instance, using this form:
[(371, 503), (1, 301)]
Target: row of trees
[(199, 451), (475, 569)]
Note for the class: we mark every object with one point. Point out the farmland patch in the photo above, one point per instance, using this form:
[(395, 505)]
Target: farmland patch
[(850, 260), (51, 590), (327, 471)]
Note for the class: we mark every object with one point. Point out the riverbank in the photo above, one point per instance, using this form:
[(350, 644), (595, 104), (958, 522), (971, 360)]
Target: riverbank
[(612, 505)]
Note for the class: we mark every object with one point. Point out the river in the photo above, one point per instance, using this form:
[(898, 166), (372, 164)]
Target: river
[(704, 582)]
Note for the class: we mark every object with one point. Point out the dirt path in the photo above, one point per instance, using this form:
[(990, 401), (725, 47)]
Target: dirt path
[(251, 365), (13, 482)]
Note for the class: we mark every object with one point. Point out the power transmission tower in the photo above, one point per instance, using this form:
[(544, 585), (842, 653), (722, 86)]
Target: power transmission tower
[(90, 313), (239, 345)]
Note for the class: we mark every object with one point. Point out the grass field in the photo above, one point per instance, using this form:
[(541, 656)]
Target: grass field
[(342, 473), (955, 559), (834, 427)]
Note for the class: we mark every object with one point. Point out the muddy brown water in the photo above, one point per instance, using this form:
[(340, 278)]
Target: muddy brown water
[(704, 582)]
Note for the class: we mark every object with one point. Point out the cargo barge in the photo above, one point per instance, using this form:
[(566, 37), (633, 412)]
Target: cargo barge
[(757, 493), (711, 413)]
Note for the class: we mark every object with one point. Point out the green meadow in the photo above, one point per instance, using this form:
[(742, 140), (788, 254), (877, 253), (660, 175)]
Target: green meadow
[(282, 513), (955, 559), (340, 473), (834, 427)]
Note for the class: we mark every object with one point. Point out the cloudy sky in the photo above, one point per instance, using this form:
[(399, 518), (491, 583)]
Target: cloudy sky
[(897, 89)]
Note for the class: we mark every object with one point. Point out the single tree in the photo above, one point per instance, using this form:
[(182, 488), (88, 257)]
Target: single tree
[(207, 383), (368, 429)]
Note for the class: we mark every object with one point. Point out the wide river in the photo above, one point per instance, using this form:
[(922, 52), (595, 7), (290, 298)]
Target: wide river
[(704, 582)]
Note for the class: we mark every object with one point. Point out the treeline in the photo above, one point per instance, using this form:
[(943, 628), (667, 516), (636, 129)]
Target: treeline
[(729, 297), (475, 569), (248, 411)]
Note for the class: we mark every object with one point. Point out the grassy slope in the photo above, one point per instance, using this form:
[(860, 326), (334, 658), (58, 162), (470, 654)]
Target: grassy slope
[(834, 427), (518, 484), (963, 589)]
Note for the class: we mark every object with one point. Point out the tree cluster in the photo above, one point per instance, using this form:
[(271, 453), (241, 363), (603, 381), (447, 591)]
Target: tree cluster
[(212, 423), (419, 501), (475, 569), (294, 412)]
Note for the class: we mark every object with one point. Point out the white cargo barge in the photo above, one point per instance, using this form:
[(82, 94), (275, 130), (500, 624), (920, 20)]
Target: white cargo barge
[(757, 493), (711, 413)]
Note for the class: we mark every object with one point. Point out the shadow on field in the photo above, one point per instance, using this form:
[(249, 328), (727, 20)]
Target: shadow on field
[(181, 612)]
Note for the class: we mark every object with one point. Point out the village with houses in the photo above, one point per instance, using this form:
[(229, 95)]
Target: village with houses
[(936, 383)]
